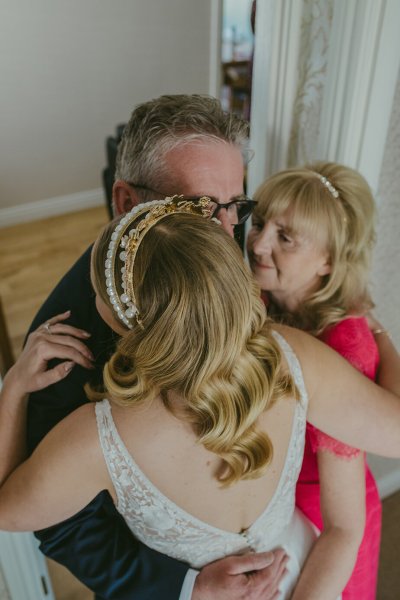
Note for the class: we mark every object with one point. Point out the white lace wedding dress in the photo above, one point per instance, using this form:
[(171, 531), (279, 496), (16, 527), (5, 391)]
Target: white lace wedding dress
[(162, 525)]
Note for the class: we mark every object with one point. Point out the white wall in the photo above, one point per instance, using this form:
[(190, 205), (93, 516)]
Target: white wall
[(71, 70), (23, 568)]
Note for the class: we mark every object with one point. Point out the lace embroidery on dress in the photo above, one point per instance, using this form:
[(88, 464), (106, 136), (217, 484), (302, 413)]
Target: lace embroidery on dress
[(162, 525), (324, 442)]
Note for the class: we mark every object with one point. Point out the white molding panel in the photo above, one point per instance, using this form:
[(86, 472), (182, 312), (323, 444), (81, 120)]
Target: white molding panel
[(363, 66), (42, 209), (215, 48), (387, 474)]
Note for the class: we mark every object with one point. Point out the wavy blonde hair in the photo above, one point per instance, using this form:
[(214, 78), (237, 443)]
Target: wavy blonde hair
[(343, 226), (205, 336)]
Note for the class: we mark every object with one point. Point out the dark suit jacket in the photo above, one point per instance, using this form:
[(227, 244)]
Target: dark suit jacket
[(96, 544)]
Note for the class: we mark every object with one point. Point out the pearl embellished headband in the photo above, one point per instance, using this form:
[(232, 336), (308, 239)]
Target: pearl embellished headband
[(125, 304), (327, 184)]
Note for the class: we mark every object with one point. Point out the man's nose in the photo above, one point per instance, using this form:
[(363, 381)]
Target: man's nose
[(228, 219)]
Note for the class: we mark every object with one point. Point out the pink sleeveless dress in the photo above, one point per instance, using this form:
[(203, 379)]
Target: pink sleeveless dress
[(353, 340)]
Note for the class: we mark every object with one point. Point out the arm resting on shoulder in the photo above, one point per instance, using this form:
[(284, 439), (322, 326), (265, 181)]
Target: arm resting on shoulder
[(332, 559), (344, 403)]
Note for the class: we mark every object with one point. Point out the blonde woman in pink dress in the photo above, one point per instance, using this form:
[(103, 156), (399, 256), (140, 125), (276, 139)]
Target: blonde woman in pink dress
[(309, 248)]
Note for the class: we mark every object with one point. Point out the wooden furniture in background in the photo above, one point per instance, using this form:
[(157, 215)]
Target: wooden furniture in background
[(236, 79)]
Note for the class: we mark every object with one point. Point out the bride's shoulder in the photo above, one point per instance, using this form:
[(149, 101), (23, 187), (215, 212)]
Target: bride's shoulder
[(77, 430), (313, 355), (300, 341)]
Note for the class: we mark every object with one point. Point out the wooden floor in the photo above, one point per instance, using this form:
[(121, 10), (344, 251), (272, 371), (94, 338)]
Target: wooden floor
[(33, 257), (389, 572)]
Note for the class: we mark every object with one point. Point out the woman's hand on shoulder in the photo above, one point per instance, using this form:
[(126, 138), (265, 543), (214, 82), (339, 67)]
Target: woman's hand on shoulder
[(52, 340)]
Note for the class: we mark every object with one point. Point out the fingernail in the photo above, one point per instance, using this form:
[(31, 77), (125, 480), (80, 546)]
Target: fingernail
[(68, 367), (85, 333), (269, 556)]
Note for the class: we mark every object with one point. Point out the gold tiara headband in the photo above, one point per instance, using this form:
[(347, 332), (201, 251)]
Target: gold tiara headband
[(125, 246)]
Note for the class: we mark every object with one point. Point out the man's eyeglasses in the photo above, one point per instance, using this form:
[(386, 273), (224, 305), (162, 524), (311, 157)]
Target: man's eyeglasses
[(239, 208)]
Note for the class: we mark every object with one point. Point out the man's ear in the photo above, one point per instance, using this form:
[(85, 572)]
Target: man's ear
[(124, 197)]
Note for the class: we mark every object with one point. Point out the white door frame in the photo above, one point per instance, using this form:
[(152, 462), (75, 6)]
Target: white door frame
[(24, 567), (362, 70)]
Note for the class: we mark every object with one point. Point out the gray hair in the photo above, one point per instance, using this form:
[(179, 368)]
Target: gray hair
[(158, 126)]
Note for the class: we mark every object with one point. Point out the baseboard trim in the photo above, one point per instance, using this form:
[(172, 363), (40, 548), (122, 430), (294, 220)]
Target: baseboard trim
[(51, 207), (389, 483), (386, 472)]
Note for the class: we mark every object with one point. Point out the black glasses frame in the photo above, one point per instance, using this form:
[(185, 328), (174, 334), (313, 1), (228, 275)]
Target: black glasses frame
[(244, 207), (244, 204)]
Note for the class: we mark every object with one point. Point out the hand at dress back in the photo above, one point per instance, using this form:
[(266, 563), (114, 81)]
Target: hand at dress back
[(247, 577)]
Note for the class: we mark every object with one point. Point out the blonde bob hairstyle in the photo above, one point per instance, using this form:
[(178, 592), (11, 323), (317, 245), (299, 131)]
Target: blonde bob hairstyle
[(342, 226), (204, 335)]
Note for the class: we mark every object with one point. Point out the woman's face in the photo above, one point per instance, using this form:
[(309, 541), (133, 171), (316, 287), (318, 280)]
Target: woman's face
[(290, 267)]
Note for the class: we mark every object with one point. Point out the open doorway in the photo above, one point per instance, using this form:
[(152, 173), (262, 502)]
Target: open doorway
[(237, 46)]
